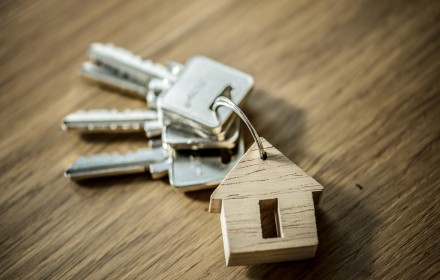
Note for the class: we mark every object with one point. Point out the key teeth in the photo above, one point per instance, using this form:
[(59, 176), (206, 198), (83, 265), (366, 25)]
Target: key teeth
[(96, 49), (100, 52), (148, 113), (109, 111)]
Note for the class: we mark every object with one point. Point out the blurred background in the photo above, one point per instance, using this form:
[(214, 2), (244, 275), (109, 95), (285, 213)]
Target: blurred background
[(349, 90)]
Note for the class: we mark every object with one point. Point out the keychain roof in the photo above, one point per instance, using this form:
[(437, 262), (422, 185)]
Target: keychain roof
[(267, 206)]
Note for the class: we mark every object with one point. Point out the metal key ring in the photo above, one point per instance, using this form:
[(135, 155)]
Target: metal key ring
[(224, 101)]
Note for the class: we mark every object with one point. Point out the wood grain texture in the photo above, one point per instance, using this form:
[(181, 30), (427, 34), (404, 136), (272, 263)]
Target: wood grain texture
[(348, 90), (258, 194)]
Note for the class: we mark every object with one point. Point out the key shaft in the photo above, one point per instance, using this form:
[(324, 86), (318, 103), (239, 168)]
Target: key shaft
[(110, 78), (102, 120), (125, 63), (102, 165)]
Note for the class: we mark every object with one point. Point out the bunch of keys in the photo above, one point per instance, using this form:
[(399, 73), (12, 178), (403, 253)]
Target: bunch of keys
[(195, 145)]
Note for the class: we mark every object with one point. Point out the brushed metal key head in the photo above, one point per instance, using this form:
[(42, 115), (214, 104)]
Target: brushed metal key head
[(195, 170), (190, 100)]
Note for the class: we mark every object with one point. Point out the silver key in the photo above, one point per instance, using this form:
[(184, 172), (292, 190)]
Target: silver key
[(198, 171), (101, 165), (186, 172), (188, 102), (103, 120), (194, 170)]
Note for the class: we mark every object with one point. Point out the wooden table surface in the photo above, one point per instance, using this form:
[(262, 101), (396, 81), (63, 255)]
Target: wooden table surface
[(349, 90)]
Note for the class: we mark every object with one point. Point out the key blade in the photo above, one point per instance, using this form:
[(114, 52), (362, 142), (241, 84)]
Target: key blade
[(102, 165), (127, 63), (109, 78), (103, 120)]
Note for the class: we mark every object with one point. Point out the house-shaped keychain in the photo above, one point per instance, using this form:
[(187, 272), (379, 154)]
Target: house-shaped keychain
[(267, 209)]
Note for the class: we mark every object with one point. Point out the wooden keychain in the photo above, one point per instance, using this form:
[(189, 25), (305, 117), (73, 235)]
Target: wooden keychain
[(266, 205)]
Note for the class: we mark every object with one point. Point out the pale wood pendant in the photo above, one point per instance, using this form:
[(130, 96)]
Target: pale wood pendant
[(267, 209)]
